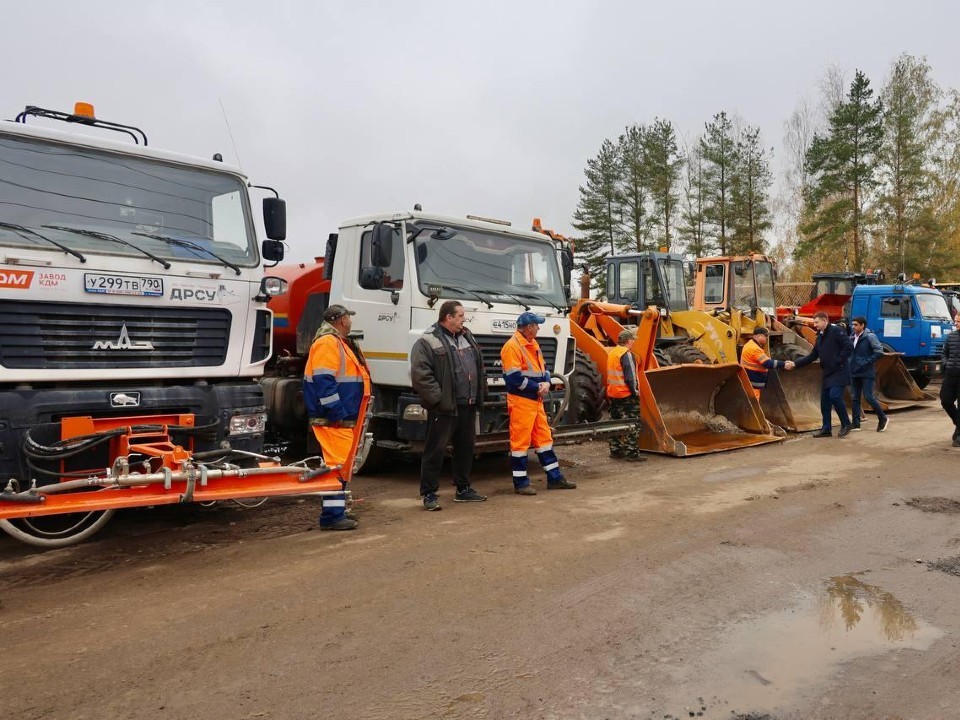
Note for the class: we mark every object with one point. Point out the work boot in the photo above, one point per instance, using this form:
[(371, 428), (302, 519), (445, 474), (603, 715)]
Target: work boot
[(525, 490), (562, 484), (343, 523), (468, 494), (431, 502)]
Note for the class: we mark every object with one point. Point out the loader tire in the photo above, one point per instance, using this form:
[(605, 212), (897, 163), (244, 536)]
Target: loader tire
[(787, 352), (588, 398), (686, 355), (663, 360)]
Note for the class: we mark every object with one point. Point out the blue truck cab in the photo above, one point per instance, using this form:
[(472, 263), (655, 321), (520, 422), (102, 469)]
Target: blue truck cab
[(908, 319)]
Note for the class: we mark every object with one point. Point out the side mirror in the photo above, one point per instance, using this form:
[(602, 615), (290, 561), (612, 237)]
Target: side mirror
[(566, 267), (275, 218), (371, 278), (381, 245), (272, 250)]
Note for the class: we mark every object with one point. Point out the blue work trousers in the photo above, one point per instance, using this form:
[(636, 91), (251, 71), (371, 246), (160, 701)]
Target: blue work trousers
[(864, 385)]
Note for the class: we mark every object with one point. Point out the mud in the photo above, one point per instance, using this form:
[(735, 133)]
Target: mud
[(773, 583), (935, 504), (951, 566)]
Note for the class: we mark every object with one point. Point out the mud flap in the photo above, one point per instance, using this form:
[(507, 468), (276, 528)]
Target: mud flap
[(791, 398), (697, 409)]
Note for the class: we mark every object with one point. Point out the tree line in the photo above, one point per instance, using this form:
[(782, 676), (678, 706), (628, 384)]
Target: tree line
[(869, 180)]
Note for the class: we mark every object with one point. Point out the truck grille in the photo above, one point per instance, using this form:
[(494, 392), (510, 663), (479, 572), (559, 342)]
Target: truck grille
[(490, 348), (44, 335)]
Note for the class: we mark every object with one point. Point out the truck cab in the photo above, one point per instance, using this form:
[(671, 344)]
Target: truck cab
[(908, 319), (395, 270)]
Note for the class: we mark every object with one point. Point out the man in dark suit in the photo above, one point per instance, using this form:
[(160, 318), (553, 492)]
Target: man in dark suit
[(833, 348), (866, 351)]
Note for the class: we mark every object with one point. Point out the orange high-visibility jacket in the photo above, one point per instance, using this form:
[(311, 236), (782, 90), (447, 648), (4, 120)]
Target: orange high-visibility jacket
[(621, 373), (334, 380), (523, 366)]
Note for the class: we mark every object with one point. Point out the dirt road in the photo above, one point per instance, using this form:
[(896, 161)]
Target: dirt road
[(786, 581)]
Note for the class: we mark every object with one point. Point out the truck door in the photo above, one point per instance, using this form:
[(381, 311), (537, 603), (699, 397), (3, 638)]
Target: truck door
[(897, 327), (383, 303)]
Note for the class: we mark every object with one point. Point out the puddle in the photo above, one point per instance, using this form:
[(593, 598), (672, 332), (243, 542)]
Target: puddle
[(764, 663)]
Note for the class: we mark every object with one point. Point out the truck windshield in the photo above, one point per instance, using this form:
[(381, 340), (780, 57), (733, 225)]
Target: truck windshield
[(675, 288), (933, 307), (506, 268), (79, 197), (765, 296)]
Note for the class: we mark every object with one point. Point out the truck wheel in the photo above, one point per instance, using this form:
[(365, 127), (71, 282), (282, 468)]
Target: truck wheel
[(685, 354), (56, 531), (588, 397), (920, 379)]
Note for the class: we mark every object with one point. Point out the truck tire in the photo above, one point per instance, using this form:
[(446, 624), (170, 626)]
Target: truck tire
[(588, 397), (920, 379), (686, 354)]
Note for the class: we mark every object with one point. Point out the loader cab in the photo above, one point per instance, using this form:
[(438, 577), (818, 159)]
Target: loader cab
[(841, 283), (745, 284), (642, 280)]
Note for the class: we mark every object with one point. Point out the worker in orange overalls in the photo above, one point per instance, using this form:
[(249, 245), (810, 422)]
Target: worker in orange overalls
[(757, 363), (335, 382), (528, 382)]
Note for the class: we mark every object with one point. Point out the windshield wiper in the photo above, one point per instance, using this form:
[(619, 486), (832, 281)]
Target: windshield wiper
[(192, 246), (454, 288), (545, 299), (110, 238), (25, 232)]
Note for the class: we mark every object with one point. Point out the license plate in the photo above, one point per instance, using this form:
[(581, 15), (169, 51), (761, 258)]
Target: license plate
[(122, 284)]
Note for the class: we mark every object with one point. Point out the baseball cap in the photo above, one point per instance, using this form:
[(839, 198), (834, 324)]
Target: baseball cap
[(335, 312), (530, 318)]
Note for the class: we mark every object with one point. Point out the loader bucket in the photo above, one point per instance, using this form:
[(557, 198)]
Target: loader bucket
[(791, 398), (697, 409), (895, 388)]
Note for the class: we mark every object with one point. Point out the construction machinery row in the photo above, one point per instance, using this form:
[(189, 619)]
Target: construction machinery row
[(145, 354)]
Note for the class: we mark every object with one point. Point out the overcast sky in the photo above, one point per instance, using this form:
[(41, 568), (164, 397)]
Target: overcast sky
[(487, 108)]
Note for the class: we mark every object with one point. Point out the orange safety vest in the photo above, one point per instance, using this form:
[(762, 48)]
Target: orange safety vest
[(752, 359), (616, 383)]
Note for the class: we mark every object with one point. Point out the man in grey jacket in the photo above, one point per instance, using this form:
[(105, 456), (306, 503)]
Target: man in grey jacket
[(866, 351), (446, 369)]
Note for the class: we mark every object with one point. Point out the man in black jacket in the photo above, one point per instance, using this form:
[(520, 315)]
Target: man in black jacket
[(866, 351), (446, 368), (950, 389), (833, 348)]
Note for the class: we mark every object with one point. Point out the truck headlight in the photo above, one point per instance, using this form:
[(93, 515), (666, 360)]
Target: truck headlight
[(248, 424)]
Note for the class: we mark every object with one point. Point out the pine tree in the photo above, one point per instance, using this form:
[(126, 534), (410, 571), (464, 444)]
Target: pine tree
[(663, 164), (911, 237), (750, 194), (693, 216), (719, 150), (598, 213), (633, 188), (843, 168)]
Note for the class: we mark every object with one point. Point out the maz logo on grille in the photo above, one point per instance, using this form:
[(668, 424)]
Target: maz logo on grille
[(123, 342)]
